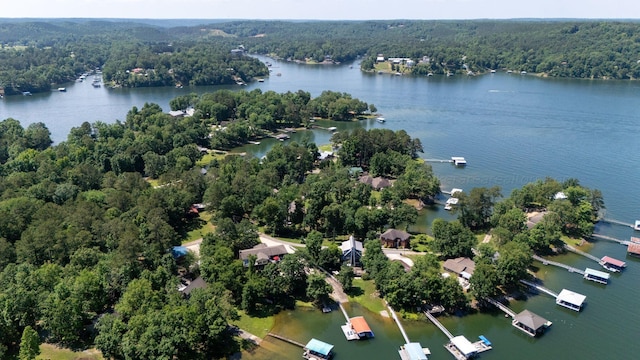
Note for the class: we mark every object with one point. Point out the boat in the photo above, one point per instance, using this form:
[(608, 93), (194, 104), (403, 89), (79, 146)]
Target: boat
[(260, 80), (493, 71), (26, 93), (96, 84), (278, 74), (332, 128), (458, 161), (636, 226), (381, 120), (61, 89)]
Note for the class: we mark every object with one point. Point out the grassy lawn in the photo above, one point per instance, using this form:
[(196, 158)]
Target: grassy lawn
[(326, 147), (365, 294), (258, 326), (206, 228), (52, 352), (206, 159)]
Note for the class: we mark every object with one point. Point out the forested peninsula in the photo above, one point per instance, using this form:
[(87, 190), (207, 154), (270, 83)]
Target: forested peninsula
[(36, 56), (89, 226)]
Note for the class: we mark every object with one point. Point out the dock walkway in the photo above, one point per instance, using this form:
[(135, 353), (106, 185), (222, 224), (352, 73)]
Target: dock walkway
[(554, 263), (439, 325), (609, 238), (285, 339), (501, 306), (580, 252), (540, 288), (395, 317), (618, 222)]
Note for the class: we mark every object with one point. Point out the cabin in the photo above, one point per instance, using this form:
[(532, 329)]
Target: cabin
[(461, 346), (264, 254), (462, 266), (633, 248), (395, 238), (612, 264), (360, 327), (352, 251), (597, 276), (316, 349), (414, 351), (570, 300), (530, 323)]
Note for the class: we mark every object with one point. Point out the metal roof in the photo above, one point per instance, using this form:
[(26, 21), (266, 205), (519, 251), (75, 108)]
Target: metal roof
[(319, 347)]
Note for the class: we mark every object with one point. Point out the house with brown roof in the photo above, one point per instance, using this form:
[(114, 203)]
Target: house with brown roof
[(378, 182), (462, 266), (395, 238)]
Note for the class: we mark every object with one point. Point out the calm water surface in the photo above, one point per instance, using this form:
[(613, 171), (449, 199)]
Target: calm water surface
[(512, 130)]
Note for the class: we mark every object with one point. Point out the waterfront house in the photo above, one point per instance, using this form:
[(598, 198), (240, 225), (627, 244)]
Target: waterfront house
[(413, 351), (377, 183), (461, 266), (597, 276), (264, 254), (570, 300), (316, 349), (612, 264), (197, 283), (530, 323), (352, 251), (395, 238)]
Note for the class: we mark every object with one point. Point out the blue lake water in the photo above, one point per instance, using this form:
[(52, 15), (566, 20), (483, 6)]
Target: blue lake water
[(512, 130)]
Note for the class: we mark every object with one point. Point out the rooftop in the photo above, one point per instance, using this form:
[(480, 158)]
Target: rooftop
[(359, 324), (464, 345), (531, 320), (571, 297), (395, 234), (319, 347), (612, 261)]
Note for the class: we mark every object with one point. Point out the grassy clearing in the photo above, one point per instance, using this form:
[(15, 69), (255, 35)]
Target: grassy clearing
[(365, 294), (258, 326), (52, 352), (210, 156), (206, 228)]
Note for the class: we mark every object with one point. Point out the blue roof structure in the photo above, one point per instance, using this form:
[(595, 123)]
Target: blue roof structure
[(485, 340), (319, 347), (179, 251), (415, 352)]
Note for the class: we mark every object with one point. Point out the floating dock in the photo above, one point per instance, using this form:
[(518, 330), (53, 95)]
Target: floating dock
[(611, 264), (570, 300), (609, 238), (458, 161), (413, 351)]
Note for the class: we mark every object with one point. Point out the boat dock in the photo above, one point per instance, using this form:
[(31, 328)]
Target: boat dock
[(395, 318), (617, 222), (571, 269), (285, 339), (580, 252), (439, 160), (609, 238), (540, 288), (439, 325), (501, 306)]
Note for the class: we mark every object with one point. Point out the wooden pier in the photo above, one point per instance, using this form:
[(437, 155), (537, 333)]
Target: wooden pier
[(561, 265), (501, 306), (290, 341), (580, 252), (395, 317), (439, 160), (439, 325), (540, 288), (617, 222), (609, 238)]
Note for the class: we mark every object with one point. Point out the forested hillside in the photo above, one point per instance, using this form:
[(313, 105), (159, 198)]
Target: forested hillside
[(37, 56)]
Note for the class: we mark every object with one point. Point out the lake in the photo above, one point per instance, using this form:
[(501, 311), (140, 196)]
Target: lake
[(512, 130)]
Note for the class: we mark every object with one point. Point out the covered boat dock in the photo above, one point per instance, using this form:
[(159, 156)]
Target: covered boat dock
[(530, 323), (570, 300), (413, 351), (316, 349), (597, 276), (612, 264)]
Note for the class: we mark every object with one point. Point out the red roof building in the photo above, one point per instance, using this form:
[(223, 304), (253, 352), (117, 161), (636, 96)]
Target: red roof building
[(360, 326), (633, 248), (612, 264)]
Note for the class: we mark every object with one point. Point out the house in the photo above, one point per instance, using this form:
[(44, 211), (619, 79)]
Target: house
[(264, 254), (380, 58), (533, 218), (378, 183), (462, 266), (530, 323), (197, 283), (395, 238), (176, 113), (352, 251)]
